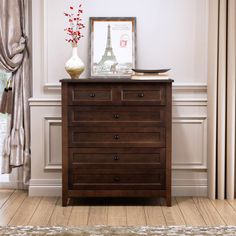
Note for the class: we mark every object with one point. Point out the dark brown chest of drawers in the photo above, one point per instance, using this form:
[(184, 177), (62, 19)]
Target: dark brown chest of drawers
[(116, 138)]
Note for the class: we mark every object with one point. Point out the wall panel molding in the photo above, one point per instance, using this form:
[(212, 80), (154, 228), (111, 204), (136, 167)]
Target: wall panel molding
[(177, 87), (183, 95), (55, 190), (190, 118), (194, 118), (180, 187), (57, 102), (201, 162), (45, 41), (189, 98), (44, 102), (50, 162)]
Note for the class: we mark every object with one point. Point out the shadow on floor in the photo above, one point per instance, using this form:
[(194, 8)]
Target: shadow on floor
[(116, 202)]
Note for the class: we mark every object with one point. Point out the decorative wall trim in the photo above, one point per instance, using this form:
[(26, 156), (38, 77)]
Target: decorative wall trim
[(189, 191), (45, 187), (48, 122), (189, 102), (51, 120), (44, 102), (51, 86), (55, 191), (189, 87), (53, 187), (202, 165), (57, 102), (189, 182), (183, 95), (176, 86), (45, 41)]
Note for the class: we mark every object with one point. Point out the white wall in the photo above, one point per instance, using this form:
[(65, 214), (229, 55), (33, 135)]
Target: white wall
[(170, 34)]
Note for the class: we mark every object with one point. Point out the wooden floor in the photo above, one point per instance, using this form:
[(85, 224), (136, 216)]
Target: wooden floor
[(16, 208)]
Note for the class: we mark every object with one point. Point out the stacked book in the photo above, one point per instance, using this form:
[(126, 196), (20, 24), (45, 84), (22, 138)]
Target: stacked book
[(159, 74)]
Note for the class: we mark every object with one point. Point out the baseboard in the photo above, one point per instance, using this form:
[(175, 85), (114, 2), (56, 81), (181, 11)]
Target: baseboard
[(45, 191), (45, 187), (189, 191), (53, 188)]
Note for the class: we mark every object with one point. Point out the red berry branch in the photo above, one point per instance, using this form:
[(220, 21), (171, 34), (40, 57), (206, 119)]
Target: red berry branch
[(75, 25)]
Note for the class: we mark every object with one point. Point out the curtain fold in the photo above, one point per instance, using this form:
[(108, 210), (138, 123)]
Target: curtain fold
[(14, 58), (221, 98)]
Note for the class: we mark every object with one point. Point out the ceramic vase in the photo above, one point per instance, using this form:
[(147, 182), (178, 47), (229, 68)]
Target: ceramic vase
[(74, 66)]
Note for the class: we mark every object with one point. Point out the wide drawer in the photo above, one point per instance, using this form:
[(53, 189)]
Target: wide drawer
[(116, 116), (102, 169), (119, 178), (116, 137), (119, 181), (117, 187), (118, 157), (145, 94)]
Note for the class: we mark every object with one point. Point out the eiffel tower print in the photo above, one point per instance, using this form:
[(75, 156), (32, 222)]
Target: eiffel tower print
[(108, 56)]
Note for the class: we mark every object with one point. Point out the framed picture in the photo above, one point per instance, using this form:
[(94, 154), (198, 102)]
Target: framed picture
[(112, 46)]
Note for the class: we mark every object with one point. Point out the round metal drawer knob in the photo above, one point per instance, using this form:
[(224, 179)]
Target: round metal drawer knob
[(116, 158), (116, 179), (116, 137), (92, 95), (116, 116), (141, 95)]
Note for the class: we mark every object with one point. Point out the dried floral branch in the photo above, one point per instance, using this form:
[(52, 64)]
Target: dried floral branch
[(75, 25)]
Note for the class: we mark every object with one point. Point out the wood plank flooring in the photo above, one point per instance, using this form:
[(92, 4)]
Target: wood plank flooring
[(16, 208)]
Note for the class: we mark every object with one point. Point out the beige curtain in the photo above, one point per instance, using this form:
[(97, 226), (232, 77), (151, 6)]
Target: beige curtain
[(14, 58), (221, 97)]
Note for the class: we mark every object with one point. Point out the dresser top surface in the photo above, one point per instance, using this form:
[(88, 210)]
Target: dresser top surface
[(114, 80)]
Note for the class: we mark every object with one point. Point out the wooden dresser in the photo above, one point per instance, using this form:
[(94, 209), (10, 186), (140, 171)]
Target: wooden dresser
[(116, 138)]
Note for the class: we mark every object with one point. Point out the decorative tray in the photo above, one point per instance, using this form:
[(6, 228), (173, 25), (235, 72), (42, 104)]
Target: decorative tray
[(151, 71)]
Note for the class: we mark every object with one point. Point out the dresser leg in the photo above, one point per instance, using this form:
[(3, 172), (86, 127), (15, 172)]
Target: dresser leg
[(168, 201), (64, 201)]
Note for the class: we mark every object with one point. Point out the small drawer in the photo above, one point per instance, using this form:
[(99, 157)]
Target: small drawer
[(78, 157), (149, 95), (116, 137), (90, 95), (118, 116)]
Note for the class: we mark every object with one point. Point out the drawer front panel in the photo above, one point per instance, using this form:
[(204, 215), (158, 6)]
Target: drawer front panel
[(90, 95), (116, 186), (118, 158), (119, 181), (114, 168), (128, 150), (143, 95), (107, 116), (100, 136), (118, 178)]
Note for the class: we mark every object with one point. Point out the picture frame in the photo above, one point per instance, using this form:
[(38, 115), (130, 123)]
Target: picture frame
[(112, 47)]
